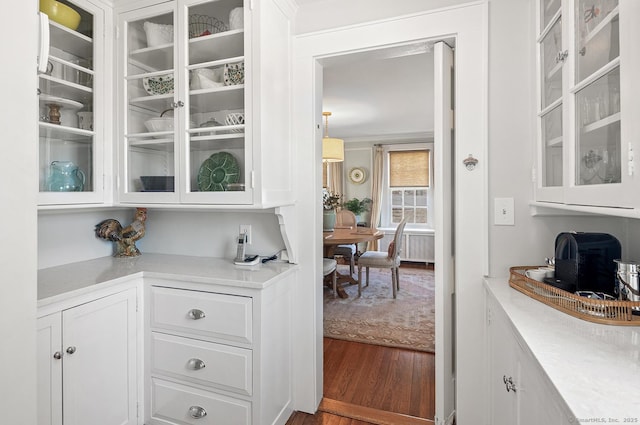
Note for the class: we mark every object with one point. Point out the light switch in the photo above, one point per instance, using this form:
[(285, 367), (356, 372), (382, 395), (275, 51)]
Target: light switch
[(503, 214)]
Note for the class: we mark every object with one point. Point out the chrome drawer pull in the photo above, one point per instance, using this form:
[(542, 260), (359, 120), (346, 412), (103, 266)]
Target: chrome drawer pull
[(196, 314), (195, 364), (197, 412)]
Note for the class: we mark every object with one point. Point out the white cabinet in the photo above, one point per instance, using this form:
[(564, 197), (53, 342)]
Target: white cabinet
[(204, 103), (86, 363), (587, 132), (71, 116), (218, 354), (519, 392)]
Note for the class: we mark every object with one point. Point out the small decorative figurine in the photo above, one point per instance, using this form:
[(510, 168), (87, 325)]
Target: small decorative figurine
[(125, 238)]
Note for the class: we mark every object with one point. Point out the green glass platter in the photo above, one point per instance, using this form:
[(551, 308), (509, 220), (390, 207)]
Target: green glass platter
[(217, 171)]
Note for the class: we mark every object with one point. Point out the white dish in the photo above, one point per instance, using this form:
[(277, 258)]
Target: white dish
[(158, 34), (54, 100), (158, 85)]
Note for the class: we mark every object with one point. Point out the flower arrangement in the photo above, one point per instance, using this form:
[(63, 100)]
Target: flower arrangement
[(330, 200)]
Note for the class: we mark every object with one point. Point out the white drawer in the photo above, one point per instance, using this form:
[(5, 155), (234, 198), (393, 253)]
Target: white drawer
[(224, 316), (173, 403), (200, 362)]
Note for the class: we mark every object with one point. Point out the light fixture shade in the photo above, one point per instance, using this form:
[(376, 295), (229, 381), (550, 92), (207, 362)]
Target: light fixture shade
[(332, 149)]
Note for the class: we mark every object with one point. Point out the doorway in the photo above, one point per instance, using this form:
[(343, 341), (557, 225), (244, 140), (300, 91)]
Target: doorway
[(468, 25), (383, 96)]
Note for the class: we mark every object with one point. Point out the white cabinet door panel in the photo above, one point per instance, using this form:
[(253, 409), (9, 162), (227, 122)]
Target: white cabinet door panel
[(100, 361), (49, 370)]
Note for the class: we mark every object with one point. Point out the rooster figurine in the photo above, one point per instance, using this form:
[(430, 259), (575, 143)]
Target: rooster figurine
[(125, 238)]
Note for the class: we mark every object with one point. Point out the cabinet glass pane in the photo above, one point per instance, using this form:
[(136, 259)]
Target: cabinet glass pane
[(150, 121), (598, 155), (216, 122), (597, 37), (552, 148), (548, 9), (65, 116), (551, 66)]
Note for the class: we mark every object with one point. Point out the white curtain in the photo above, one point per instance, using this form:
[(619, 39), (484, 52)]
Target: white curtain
[(376, 192), (336, 181)]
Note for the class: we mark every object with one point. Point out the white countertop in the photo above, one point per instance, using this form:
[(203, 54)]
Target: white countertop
[(594, 367), (69, 280)]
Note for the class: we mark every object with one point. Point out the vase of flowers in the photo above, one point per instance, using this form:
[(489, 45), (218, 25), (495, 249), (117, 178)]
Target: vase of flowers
[(330, 201), (358, 206)]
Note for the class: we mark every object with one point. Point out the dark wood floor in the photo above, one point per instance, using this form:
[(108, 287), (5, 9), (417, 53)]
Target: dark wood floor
[(367, 384)]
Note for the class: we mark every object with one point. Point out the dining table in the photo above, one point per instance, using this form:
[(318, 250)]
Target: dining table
[(347, 235)]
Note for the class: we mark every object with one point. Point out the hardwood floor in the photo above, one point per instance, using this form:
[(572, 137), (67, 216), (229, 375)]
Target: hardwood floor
[(367, 384)]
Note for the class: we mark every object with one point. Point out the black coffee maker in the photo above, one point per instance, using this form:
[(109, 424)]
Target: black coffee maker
[(584, 262)]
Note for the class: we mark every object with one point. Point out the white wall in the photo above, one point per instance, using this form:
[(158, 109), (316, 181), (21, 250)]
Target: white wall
[(18, 189), (69, 236)]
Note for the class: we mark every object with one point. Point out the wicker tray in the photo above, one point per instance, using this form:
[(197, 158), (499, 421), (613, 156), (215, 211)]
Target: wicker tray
[(598, 311)]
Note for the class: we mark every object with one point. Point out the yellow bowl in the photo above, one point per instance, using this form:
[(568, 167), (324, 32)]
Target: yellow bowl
[(60, 13)]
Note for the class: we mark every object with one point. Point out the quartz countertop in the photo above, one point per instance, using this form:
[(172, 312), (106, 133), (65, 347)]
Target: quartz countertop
[(69, 280), (594, 367)]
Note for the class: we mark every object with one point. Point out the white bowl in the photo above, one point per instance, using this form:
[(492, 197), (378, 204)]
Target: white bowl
[(158, 34), (159, 124)]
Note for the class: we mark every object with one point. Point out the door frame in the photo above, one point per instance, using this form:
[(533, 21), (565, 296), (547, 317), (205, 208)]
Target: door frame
[(468, 24)]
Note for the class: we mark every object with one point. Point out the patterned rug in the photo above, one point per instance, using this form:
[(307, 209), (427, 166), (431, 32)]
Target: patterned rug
[(377, 318)]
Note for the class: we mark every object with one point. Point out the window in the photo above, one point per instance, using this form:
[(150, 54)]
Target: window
[(408, 191)]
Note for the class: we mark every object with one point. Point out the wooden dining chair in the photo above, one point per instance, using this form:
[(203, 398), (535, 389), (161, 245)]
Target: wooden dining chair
[(330, 268), (384, 260), (345, 218)]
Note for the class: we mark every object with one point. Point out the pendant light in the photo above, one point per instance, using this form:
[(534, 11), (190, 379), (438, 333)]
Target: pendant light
[(332, 149)]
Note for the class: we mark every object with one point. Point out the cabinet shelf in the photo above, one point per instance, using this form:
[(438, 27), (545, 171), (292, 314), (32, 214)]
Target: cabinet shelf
[(556, 142), (71, 134), (613, 15), (216, 46), (207, 100), (65, 89), (611, 119), (71, 41), (153, 58)]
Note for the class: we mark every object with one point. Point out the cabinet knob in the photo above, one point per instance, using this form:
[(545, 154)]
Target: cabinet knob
[(57, 355), (195, 364), (178, 104), (71, 349), (197, 412), (196, 314)]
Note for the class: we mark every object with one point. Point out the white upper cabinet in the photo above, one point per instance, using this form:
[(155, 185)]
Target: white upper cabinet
[(203, 110), (587, 133), (71, 111)]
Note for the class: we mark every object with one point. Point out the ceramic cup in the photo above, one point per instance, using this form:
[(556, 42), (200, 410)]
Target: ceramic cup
[(536, 274), (549, 271)]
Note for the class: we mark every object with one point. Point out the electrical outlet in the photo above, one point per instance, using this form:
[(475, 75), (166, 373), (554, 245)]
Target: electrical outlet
[(503, 214), (246, 228)]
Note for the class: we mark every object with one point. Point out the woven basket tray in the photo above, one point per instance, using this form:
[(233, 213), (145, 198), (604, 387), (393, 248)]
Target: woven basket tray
[(598, 311)]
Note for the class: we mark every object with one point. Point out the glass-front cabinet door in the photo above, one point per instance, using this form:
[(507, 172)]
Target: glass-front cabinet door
[(551, 58), (599, 154), (70, 132), (587, 130), (184, 113)]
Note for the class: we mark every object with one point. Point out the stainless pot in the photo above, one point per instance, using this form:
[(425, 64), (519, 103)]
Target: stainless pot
[(628, 281)]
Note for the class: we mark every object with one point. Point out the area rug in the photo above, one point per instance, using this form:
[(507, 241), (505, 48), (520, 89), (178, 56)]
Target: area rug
[(377, 318)]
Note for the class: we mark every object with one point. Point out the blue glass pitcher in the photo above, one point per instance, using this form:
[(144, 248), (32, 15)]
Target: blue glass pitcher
[(65, 176)]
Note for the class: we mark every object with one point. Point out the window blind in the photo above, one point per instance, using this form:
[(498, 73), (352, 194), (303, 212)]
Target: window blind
[(409, 168)]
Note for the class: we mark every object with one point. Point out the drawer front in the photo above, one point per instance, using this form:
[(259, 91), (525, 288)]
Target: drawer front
[(200, 362), (178, 404), (202, 313)]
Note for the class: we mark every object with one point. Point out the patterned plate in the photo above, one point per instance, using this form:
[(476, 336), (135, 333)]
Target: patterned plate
[(161, 84), (233, 74), (217, 171)]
